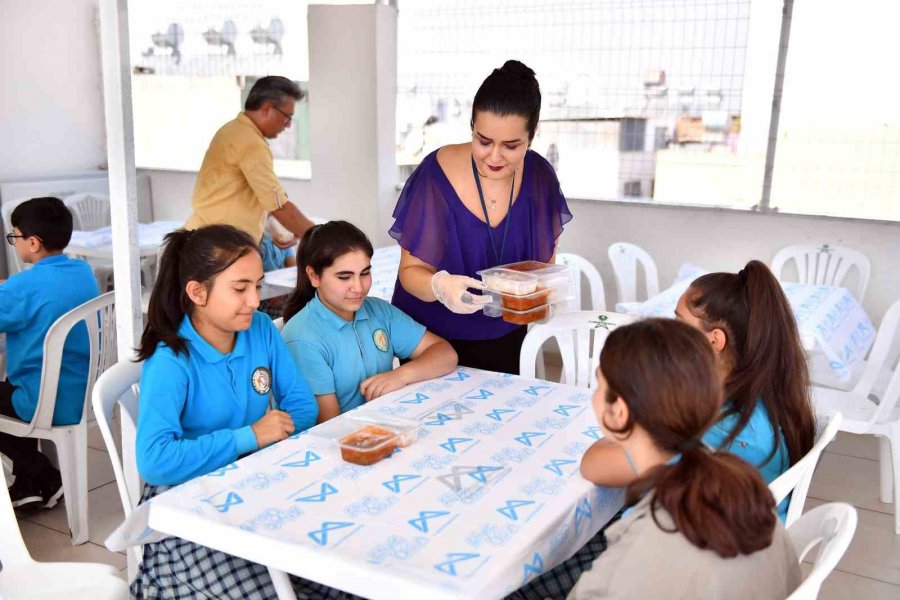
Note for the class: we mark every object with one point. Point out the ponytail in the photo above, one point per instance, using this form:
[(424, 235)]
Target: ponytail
[(320, 246), (768, 363), (197, 255)]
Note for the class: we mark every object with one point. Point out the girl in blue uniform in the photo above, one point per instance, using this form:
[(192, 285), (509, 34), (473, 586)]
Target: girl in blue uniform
[(211, 363), (345, 342)]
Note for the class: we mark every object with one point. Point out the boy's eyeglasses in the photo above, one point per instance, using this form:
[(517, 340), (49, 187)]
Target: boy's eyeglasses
[(11, 238)]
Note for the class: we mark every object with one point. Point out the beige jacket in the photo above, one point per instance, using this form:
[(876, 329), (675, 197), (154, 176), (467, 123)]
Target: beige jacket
[(643, 561)]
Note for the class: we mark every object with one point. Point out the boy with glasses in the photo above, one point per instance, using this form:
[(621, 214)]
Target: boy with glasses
[(30, 302)]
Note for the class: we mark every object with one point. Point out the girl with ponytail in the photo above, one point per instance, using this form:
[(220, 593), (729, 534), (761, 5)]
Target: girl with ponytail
[(702, 522), (211, 363), (344, 342)]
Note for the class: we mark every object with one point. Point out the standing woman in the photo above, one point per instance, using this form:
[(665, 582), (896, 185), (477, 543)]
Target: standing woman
[(473, 206)]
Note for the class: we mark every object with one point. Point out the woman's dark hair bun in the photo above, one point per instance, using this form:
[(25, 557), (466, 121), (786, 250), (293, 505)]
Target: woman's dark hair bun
[(515, 67)]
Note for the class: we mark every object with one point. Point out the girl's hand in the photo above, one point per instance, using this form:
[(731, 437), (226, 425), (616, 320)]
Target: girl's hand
[(381, 384), (273, 427)]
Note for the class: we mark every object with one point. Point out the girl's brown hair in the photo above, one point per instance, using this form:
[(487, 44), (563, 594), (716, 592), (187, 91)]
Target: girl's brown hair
[(767, 361), (665, 372)]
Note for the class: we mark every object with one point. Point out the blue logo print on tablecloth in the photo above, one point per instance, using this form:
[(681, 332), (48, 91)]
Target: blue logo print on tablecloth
[(508, 455), (535, 567), (392, 410), (582, 512), (556, 465), (535, 390), (451, 444), (525, 437), (539, 485), (509, 509), (422, 521), (438, 419), (325, 490), (221, 472), (492, 534), (481, 394), (497, 413), (482, 428), (397, 548), (575, 449), (394, 484), (563, 409), (223, 501), (320, 536), (347, 471), (481, 474), (303, 459), (454, 558), (498, 384), (432, 461), (579, 397), (558, 538), (272, 519), (370, 505), (552, 422), (416, 398), (261, 481), (458, 376), (593, 432), (522, 402)]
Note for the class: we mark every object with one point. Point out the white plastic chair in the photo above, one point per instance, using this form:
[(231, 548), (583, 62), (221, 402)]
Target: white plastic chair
[(279, 323), (23, 578), (581, 266), (6, 210), (580, 335), (71, 440), (823, 265), (625, 258), (831, 527), (795, 481), (866, 411), (89, 211), (119, 386)]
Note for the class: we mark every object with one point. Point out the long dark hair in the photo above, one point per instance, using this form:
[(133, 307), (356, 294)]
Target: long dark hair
[(763, 345), (665, 372), (320, 246), (510, 90), (197, 255)]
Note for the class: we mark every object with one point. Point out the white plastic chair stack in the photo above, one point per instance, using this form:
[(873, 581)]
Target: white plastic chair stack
[(795, 481), (71, 440), (582, 267), (824, 265), (580, 336), (831, 527), (89, 212), (23, 578), (625, 258), (867, 411)]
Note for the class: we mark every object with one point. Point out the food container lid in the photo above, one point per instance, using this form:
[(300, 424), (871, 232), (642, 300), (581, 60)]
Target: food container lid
[(542, 307), (535, 294), (403, 431)]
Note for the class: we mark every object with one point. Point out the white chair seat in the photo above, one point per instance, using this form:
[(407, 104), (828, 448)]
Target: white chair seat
[(858, 411), (72, 581), (831, 528)]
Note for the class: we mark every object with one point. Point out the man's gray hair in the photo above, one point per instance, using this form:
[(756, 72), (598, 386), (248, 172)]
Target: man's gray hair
[(273, 89)]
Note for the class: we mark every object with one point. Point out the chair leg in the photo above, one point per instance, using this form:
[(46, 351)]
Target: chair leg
[(72, 450), (894, 437), (282, 584), (885, 463)]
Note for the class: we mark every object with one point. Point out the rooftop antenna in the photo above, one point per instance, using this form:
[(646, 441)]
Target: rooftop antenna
[(222, 37), (273, 34), (172, 38)]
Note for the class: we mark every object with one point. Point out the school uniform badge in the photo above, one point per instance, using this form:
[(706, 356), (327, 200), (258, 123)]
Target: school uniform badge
[(261, 380), (380, 337)]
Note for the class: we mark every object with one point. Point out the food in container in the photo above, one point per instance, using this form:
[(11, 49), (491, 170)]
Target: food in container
[(509, 282), (524, 317), (527, 265), (367, 445), (526, 302)]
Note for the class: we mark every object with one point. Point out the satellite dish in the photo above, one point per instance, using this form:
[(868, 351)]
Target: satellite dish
[(222, 37), (271, 35), (172, 38)]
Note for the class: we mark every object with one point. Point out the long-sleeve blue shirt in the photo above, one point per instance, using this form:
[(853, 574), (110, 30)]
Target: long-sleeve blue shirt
[(30, 302), (195, 411)]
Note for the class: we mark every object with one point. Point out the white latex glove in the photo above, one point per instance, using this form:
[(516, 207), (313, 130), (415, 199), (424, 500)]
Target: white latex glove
[(453, 292)]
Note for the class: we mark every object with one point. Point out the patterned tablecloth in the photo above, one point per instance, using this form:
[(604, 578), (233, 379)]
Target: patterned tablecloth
[(487, 498), (385, 262), (829, 318)]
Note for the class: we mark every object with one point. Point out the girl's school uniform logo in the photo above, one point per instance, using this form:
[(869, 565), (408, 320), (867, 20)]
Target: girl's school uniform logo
[(261, 380), (380, 337)]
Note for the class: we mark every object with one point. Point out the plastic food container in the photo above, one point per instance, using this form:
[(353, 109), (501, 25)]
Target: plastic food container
[(526, 302), (365, 439), (509, 282), (524, 317), (526, 266)]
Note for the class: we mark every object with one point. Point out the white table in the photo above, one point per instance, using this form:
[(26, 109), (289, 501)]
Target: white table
[(829, 318), (489, 497), (98, 243), (385, 263)]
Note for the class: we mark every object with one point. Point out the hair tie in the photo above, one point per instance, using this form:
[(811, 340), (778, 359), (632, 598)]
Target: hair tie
[(690, 444)]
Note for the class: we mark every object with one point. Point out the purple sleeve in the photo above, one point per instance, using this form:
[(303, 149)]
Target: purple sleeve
[(550, 210), (422, 223)]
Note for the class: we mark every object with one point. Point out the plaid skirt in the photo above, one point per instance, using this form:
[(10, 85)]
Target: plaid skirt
[(176, 569), (559, 581)]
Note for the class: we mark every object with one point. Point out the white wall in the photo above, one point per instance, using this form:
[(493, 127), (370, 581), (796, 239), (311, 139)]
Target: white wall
[(51, 120), (725, 240)]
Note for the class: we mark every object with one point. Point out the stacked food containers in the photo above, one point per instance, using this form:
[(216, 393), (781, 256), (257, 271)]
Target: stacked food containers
[(527, 292)]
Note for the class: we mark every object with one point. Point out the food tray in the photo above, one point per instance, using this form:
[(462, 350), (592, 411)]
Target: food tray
[(525, 317), (364, 439), (509, 282)]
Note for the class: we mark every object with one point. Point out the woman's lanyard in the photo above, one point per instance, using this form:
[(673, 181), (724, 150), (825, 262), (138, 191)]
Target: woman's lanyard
[(487, 219)]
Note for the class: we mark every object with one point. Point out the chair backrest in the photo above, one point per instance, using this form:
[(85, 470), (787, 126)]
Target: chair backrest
[(12, 546), (831, 526), (625, 258), (99, 316), (89, 211), (6, 210), (824, 265), (795, 481), (583, 267), (878, 358), (580, 335)]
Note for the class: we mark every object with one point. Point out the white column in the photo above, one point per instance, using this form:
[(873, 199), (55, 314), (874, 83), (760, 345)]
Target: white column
[(122, 176)]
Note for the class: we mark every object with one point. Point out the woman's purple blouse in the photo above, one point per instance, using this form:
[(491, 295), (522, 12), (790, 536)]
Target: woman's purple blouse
[(432, 223)]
